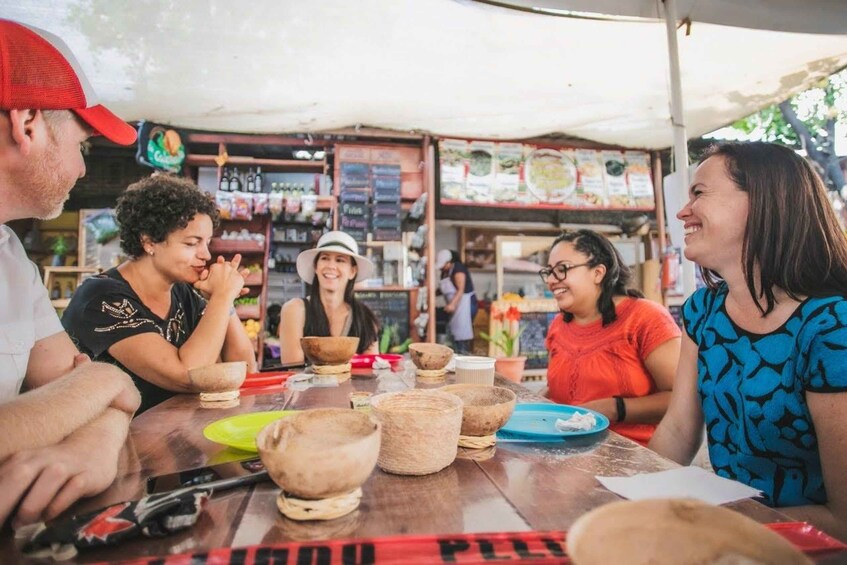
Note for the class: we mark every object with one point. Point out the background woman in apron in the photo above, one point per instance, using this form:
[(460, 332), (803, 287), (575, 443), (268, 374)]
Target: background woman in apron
[(457, 287)]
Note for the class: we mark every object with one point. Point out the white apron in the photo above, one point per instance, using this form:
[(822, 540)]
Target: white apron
[(461, 325)]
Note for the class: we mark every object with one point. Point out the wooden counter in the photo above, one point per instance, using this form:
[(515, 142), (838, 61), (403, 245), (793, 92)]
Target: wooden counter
[(523, 486)]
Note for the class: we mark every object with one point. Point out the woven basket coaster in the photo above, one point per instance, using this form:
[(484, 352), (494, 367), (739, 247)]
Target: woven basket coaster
[(477, 442), (323, 509), (332, 369)]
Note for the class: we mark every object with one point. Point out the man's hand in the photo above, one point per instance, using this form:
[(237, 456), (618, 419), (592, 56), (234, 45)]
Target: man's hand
[(449, 308), (44, 482)]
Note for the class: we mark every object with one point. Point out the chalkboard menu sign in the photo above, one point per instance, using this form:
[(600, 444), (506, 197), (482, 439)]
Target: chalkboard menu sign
[(389, 307), (534, 336)]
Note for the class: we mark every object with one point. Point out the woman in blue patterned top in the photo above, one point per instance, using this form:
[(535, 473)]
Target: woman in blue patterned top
[(764, 353)]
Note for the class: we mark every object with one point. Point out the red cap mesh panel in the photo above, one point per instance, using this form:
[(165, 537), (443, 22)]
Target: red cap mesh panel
[(34, 74)]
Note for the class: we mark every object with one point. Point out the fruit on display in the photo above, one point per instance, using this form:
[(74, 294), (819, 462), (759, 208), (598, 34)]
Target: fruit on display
[(252, 327)]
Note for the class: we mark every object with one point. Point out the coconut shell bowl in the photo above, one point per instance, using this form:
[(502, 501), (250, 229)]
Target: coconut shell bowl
[(220, 381), (320, 458), (430, 358), (329, 350), (485, 410)]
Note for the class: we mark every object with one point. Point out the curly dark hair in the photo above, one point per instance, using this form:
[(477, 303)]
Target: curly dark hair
[(158, 205), (601, 251)]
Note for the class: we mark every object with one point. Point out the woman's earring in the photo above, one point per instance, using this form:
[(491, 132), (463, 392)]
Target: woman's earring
[(150, 252)]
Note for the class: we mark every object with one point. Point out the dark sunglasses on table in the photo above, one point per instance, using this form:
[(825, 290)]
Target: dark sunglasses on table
[(559, 270)]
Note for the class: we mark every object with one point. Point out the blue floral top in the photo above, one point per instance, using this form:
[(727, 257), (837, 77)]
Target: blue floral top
[(753, 391)]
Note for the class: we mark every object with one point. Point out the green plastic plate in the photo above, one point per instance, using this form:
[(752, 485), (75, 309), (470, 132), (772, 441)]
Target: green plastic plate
[(240, 431)]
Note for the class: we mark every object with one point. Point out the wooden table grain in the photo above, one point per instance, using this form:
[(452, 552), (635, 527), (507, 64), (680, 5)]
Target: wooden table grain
[(511, 487)]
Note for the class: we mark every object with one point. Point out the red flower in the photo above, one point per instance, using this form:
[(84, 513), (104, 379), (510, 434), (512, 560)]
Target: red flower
[(513, 314)]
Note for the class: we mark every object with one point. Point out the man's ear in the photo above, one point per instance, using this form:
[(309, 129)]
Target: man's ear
[(23, 124)]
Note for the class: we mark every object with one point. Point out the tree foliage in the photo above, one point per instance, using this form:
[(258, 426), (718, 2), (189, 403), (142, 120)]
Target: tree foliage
[(806, 122)]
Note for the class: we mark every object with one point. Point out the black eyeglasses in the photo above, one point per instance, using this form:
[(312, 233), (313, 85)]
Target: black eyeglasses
[(559, 270)]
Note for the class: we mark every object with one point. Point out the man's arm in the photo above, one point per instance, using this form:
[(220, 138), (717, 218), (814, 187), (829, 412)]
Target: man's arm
[(49, 359), (44, 482), (50, 413)]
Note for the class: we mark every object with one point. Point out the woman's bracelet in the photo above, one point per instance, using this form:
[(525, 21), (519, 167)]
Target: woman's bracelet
[(620, 405)]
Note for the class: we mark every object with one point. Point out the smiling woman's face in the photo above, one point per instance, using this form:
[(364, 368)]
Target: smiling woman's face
[(579, 292), (715, 217), (184, 253), (334, 270)]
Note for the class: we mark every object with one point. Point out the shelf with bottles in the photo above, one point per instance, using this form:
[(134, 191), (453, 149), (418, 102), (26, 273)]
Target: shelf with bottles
[(196, 160)]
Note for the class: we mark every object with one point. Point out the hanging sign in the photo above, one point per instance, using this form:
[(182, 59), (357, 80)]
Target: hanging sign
[(160, 147)]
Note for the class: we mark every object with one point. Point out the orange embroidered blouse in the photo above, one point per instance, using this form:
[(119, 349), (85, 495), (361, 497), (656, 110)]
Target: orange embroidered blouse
[(592, 362)]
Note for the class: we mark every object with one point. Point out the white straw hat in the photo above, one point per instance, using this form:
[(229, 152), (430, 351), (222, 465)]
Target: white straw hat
[(333, 242)]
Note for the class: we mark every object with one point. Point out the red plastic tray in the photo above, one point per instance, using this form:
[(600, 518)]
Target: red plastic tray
[(806, 537), (265, 379), (366, 360)]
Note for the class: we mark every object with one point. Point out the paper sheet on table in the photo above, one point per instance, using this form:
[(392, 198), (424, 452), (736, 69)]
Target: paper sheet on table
[(683, 482)]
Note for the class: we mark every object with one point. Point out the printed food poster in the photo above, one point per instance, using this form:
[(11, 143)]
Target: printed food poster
[(617, 189), (591, 190), (453, 154), (507, 176), (481, 171), (640, 182), (516, 174), (550, 175)]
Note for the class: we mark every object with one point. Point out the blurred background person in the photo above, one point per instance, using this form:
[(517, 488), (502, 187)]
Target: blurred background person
[(456, 285)]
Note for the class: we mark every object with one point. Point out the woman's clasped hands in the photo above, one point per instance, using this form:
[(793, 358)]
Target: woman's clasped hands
[(223, 278)]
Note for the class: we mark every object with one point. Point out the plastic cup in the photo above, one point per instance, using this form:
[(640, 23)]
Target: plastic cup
[(474, 370)]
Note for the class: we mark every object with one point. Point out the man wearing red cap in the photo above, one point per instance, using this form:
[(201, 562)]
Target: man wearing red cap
[(60, 440)]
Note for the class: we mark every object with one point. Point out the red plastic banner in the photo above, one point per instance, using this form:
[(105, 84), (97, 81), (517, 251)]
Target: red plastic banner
[(460, 549)]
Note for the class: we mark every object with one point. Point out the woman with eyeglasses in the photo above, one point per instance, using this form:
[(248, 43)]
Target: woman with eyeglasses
[(764, 355), (611, 350)]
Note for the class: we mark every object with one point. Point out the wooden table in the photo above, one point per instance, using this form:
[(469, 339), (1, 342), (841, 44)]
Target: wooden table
[(523, 486)]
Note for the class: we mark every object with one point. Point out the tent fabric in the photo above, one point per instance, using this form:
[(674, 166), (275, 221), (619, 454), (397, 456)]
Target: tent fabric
[(452, 68)]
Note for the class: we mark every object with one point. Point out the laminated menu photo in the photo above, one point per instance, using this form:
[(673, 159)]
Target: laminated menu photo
[(453, 154), (591, 190), (640, 182), (617, 189)]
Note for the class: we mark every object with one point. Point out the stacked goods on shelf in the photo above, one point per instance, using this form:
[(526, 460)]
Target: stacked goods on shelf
[(355, 199), (385, 222)]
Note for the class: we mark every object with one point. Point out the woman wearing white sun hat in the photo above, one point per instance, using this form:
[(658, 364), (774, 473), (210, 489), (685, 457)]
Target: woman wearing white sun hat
[(330, 309)]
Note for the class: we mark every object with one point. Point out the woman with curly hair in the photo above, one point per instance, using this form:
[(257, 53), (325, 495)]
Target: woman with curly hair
[(147, 315), (611, 350)]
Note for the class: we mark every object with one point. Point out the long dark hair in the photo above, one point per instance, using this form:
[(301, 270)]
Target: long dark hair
[(600, 251), (792, 237), (364, 324)]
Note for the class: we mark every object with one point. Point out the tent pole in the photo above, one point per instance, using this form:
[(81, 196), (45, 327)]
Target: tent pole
[(680, 139)]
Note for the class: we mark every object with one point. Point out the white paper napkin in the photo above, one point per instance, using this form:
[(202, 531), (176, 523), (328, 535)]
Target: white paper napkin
[(682, 482)]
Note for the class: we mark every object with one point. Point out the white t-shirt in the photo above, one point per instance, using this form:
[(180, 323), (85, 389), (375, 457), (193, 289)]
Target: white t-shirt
[(26, 314)]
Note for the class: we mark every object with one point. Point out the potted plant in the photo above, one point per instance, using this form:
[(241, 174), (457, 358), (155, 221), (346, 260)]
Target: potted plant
[(506, 338), (60, 249)]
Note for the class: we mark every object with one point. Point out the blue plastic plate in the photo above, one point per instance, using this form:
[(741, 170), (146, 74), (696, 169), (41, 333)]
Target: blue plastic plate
[(539, 420)]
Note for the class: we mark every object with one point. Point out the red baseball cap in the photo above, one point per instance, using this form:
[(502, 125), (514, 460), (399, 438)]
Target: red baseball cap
[(38, 71)]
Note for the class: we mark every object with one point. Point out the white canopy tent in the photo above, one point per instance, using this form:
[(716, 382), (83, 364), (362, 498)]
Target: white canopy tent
[(454, 68), (450, 67)]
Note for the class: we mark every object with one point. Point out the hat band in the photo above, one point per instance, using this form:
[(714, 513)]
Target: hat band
[(339, 244)]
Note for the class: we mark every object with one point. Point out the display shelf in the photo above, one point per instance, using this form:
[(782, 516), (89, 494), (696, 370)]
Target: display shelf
[(288, 164), (248, 311), (236, 246), (254, 279)]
